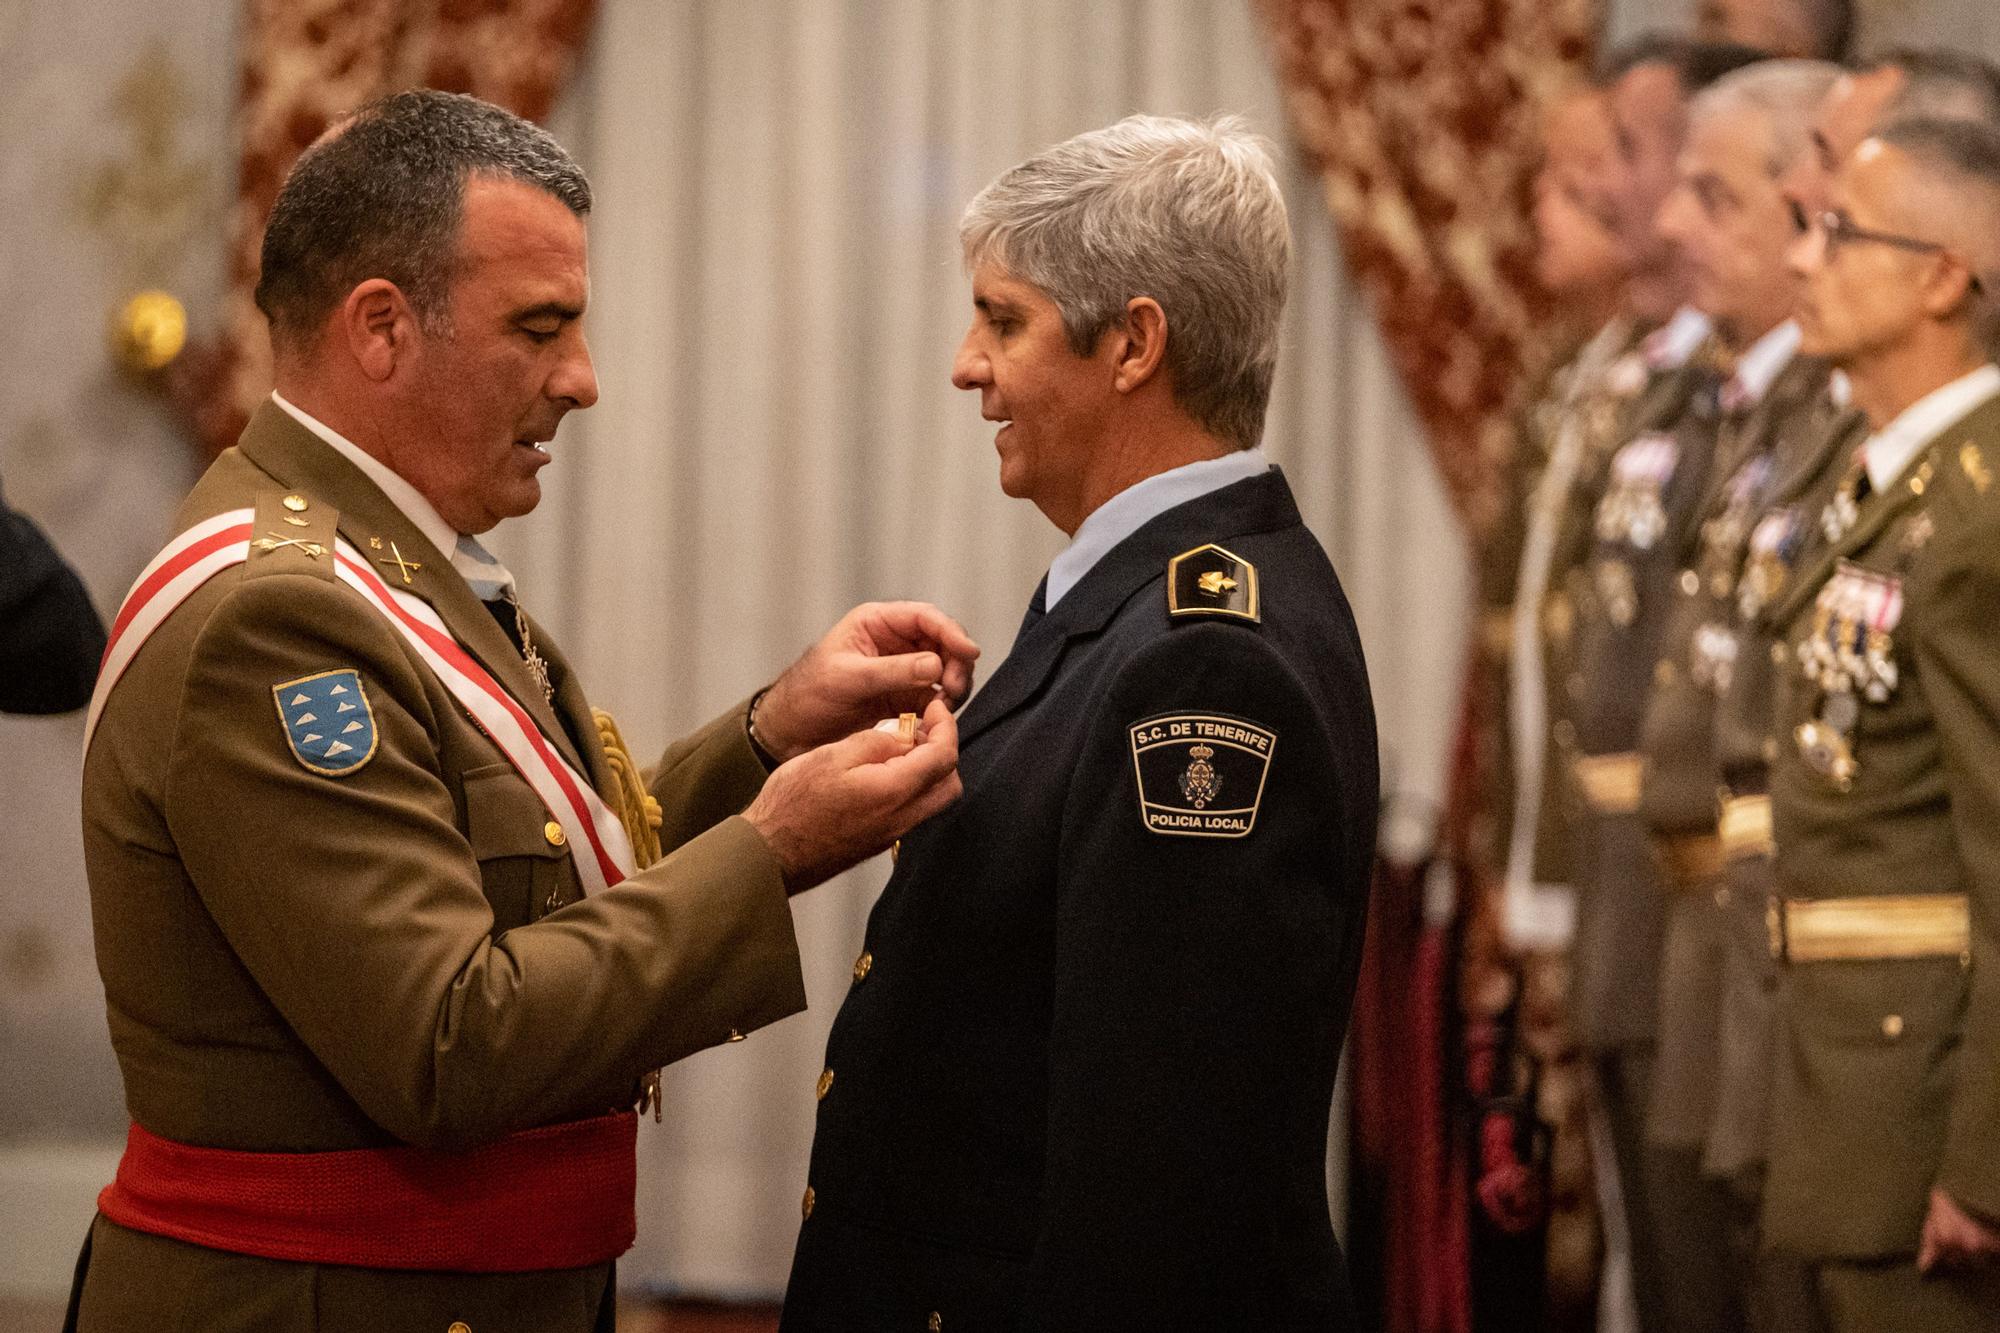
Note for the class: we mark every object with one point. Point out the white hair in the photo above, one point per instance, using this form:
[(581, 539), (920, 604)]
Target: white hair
[(1187, 212), (1785, 93)]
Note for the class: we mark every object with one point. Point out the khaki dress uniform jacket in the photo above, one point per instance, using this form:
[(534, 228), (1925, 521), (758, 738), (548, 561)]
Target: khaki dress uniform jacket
[(1602, 410), (402, 954), (1699, 655), (1886, 1082), (1807, 458), (1640, 533)]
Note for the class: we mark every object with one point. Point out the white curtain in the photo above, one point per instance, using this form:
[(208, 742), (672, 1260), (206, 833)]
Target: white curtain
[(776, 300)]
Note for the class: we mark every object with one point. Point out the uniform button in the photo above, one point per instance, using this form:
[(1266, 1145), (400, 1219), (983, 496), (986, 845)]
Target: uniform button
[(1664, 673), (459, 1326), (862, 966), (935, 1323), (1777, 654), (1690, 582), (825, 1083), (1892, 1026), (554, 833), (734, 1035), (1565, 732), (1722, 896), (297, 504), (1770, 749), (806, 1204)]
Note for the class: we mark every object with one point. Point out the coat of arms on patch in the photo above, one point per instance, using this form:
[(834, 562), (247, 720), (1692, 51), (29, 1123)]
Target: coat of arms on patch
[(1201, 775), (1201, 783), (327, 721)]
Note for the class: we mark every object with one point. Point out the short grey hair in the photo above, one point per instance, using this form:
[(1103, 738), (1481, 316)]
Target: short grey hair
[(1785, 93), (1187, 212), (1965, 156), (1940, 84), (382, 195)]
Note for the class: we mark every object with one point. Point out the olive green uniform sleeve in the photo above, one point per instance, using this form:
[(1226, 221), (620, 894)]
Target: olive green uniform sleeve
[(355, 901), (1955, 649)]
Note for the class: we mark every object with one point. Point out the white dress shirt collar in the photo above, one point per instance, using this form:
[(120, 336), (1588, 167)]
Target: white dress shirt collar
[(401, 494), (1758, 369), (1889, 450), (1132, 508), (1674, 343)]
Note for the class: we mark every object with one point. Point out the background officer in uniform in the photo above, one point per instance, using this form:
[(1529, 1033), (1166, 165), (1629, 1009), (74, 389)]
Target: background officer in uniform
[(1731, 224), (1083, 1077), (1884, 1175), (359, 939), (1638, 507)]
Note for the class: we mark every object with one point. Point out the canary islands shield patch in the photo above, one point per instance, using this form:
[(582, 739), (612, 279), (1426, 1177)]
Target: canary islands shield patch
[(327, 721), (1201, 775)]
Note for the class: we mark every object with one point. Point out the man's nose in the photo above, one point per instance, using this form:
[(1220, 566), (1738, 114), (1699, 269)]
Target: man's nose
[(969, 369), (576, 378), (1805, 255)]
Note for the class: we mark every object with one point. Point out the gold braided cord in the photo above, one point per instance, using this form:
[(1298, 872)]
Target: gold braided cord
[(637, 809)]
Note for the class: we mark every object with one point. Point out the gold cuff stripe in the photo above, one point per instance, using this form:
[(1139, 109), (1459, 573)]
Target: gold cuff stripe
[(1745, 828), (1610, 782), (1921, 925)]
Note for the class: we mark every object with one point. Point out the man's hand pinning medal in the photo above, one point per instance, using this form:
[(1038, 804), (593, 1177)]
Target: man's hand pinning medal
[(880, 659), (839, 804)]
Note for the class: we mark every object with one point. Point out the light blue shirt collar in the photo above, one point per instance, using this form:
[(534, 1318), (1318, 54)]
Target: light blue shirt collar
[(1138, 504)]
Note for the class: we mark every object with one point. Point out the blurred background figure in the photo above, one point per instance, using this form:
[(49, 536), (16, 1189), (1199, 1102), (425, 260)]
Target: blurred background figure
[(50, 636), (1807, 29)]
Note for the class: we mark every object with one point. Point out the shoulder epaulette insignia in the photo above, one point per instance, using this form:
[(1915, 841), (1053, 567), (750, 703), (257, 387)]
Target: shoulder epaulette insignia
[(1975, 467), (293, 535), (1209, 581)]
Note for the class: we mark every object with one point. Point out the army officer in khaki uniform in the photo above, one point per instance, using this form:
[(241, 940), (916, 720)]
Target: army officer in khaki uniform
[(1885, 1148), (378, 1030), (1731, 225)]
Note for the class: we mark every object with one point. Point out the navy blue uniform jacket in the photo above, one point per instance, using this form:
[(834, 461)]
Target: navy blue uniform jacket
[(1083, 1076)]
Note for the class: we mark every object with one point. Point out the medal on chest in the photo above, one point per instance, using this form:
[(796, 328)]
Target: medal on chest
[(1774, 544), (1723, 535), (1633, 511), (1848, 656)]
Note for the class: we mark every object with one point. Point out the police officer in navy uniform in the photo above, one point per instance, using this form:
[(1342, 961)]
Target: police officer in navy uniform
[(1083, 1076)]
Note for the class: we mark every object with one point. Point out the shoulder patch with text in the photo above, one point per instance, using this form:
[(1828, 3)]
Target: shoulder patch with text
[(1201, 775), (327, 721)]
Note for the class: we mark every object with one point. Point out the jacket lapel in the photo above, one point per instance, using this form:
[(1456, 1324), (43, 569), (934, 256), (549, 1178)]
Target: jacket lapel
[(1882, 507), (1257, 504), (296, 458)]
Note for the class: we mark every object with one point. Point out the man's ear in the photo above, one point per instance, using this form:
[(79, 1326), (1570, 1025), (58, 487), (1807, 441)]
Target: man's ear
[(378, 327), (1142, 344), (1947, 289)]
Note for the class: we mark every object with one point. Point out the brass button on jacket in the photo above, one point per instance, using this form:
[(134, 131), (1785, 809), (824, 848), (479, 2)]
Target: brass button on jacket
[(862, 965), (825, 1084), (554, 833)]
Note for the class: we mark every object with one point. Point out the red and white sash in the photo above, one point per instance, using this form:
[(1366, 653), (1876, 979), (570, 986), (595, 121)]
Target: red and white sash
[(604, 853)]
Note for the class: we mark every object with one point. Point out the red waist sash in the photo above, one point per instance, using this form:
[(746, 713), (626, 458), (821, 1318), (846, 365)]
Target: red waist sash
[(562, 1196)]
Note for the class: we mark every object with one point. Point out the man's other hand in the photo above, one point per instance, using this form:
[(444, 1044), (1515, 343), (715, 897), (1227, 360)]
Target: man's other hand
[(1954, 1238), (839, 804), (881, 659)]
